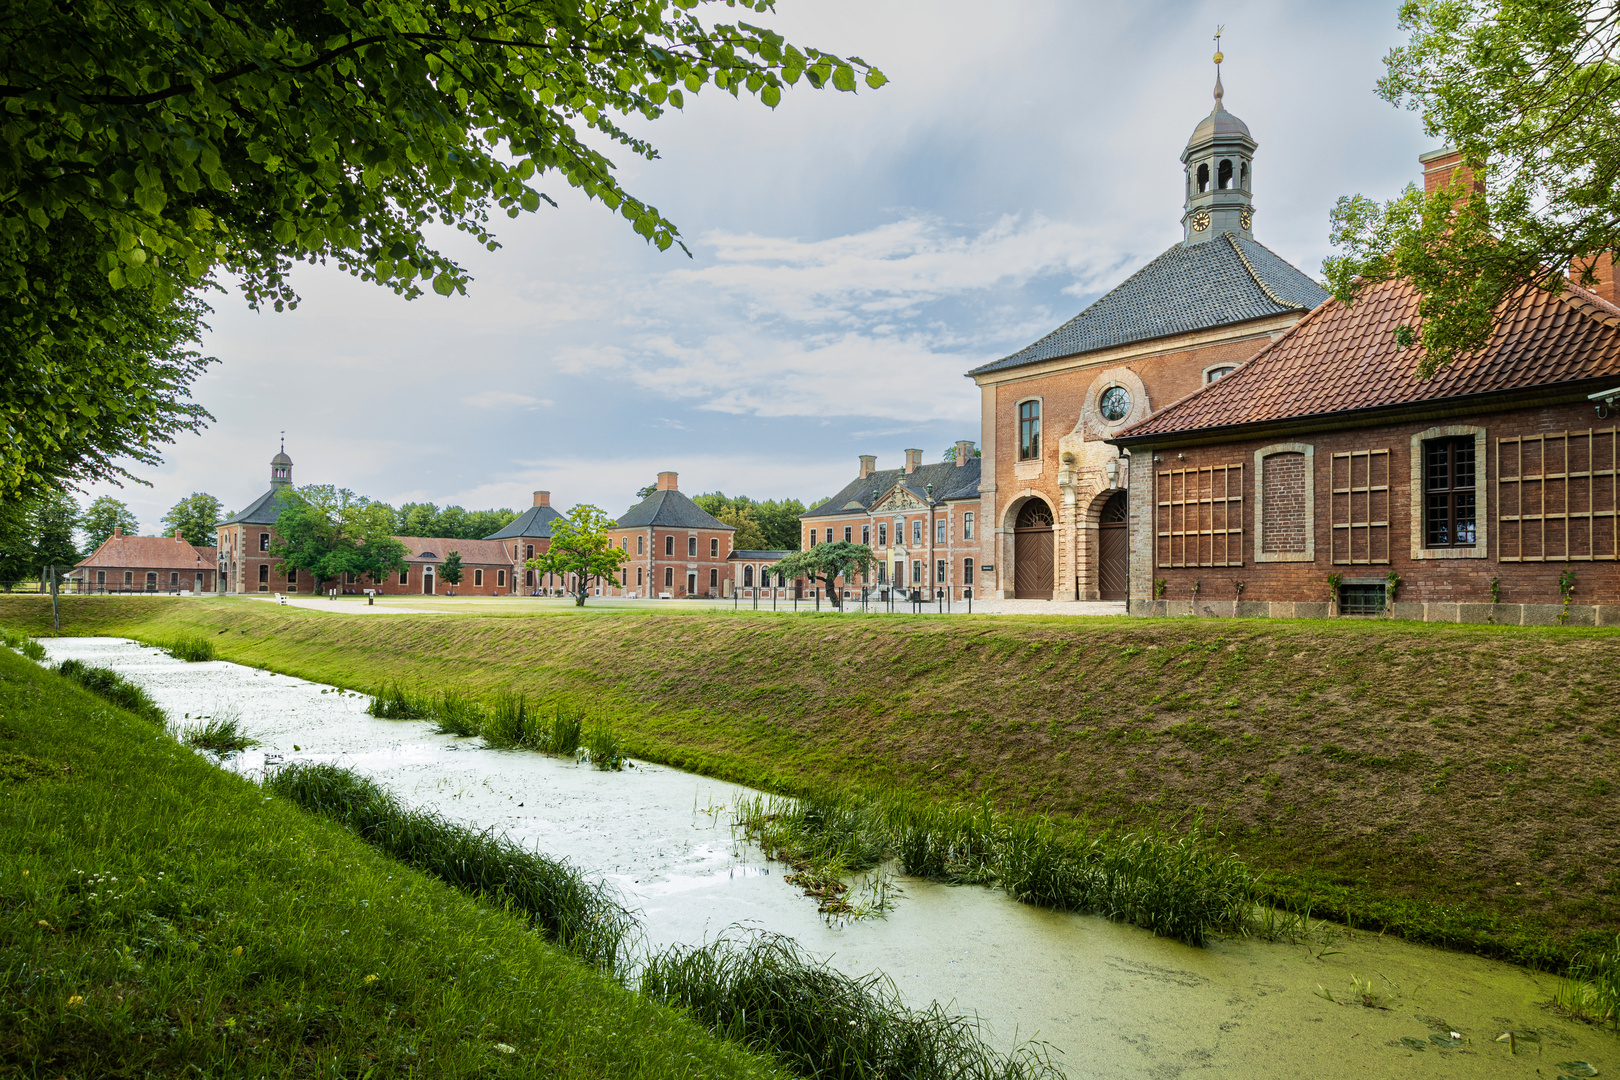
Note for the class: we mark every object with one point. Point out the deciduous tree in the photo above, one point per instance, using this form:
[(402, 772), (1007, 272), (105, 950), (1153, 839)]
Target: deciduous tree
[(580, 546), (828, 562), (197, 517), (1529, 92), (450, 570), (101, 517), (328, 531)]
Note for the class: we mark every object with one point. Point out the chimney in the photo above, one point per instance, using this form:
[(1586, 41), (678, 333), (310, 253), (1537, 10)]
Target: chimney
[(1440, 165), (1602, 265), (179, 537), (964, 451), (118, 530), (868, 465), (666, 481), (542, 498), (913, 461)]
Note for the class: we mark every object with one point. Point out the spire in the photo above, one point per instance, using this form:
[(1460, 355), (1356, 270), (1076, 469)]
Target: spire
[(1219, 164)]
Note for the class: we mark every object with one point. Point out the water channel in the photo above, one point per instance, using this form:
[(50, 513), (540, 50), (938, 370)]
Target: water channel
[(1112, 1001)]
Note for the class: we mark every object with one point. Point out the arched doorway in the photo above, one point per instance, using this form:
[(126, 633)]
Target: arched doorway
[(1033, 552), (1114, 549)]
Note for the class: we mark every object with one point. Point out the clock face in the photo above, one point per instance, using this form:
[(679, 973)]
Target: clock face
[(1200, 220), (1115, 402), (1246, 218)]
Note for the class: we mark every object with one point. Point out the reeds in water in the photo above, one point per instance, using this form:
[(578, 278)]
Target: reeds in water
[(457, 714), (761, 989), (114, 688), (192, 648), (1591, 989), (1182, 886), (23, 644), (603, 748), (581, 916), (393, 702), (222, 734)]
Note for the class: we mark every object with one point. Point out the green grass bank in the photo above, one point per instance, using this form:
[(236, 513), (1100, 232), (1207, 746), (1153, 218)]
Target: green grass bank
[(160, 917), (1455, 784)]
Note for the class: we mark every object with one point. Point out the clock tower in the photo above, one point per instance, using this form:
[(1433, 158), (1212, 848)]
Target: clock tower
[(1219, 163)]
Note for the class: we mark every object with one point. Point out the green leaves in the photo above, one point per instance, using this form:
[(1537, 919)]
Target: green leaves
[(1526, 91)]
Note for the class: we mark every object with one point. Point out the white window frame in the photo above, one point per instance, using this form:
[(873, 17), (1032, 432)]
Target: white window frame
[(1482, 495)]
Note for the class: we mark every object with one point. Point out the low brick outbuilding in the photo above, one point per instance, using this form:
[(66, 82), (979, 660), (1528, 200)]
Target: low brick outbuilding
[(149, 564)]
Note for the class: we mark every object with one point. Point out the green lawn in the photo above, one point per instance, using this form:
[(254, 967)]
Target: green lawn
[(161, 917), (1452, 783)]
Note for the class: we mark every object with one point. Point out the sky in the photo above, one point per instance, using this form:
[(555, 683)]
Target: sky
[(852, 256)]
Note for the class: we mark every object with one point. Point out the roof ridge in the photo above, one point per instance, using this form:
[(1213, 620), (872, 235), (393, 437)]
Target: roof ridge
[(1255, 274), (1607, 311)]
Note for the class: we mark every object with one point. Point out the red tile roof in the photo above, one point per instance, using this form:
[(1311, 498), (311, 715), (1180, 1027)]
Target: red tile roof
[(150, 553), (1340, 358), (481, 552)]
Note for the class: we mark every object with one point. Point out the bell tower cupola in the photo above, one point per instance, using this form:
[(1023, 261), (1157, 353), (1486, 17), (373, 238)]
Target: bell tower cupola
[(1219, 165), (281, 468)]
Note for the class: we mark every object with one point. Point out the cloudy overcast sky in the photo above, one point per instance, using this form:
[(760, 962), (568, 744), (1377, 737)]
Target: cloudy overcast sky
[(854, 254)]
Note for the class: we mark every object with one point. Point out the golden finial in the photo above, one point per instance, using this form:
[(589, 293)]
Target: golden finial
[(1218, 31), (1220, 91)]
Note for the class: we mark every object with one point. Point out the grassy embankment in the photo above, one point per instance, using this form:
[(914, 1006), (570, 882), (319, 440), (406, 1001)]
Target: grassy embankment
[(161, 917), (1453, 784)]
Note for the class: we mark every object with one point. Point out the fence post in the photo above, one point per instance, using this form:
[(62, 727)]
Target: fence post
[(818, 600), (56, 612)]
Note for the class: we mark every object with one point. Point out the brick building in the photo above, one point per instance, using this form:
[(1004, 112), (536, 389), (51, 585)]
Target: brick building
[(243, 552), (1324, 473), (752, 575), (528, 535), (1053, 489), (922, 522), (675, 548), (146, 564)]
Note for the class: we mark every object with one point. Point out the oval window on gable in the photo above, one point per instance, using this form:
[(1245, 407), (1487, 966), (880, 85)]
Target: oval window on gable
[(1115, 404)]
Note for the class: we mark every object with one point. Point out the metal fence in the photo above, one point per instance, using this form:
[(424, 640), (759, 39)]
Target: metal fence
[(867, 600)]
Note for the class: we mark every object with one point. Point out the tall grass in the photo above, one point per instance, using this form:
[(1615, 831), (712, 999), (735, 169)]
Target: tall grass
[(581, 916), (23, 644), (602, 746), (456, 714), (1591, 990), (1181, 886), (192, 648), (222, 733), (113, 687), (566, 730), (393, 702), (760, 989)]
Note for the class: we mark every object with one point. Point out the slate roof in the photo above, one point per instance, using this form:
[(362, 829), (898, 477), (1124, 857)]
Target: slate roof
[(433, 549), (150, 553), (1189, 287), (1342, 359), (759, 556), (669, 509), (951, 482), (535, 521), (262, 511)]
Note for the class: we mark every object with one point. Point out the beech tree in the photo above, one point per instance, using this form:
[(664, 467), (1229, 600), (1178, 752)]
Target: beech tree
[(150, 145), (1529, 92), (827, 563), (580, 546)]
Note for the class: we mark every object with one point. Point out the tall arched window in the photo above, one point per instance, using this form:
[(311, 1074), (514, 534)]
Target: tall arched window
[(1029, 430), (1203, 178), (748, 576), (1224, 176)]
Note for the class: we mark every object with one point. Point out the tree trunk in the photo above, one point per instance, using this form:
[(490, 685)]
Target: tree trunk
[(832, 593), (579, 600)]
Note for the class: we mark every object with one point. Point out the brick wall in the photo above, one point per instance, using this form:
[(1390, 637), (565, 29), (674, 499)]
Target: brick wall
[(1428, 576), (1284, 503)]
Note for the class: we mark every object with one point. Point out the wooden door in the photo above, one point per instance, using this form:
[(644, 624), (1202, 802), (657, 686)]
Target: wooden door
[(1033, 551), (1113, 551)]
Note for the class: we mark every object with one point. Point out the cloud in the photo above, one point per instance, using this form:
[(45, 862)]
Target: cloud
[(502, 399)]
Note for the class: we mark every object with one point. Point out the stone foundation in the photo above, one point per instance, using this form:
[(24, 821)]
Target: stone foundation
[(1500, 614)]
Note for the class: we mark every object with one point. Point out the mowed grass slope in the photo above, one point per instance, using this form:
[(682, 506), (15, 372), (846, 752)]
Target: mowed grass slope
[(159, 917), (1458, 784)]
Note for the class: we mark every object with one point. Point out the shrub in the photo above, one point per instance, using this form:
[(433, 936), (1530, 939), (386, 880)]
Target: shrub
[(193, 648), (114, 688), (763, 991), (581, 916)]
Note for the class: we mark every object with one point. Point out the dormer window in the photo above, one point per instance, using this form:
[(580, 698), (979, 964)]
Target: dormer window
[(1225, 175), (1215, 374), (1203, 178)]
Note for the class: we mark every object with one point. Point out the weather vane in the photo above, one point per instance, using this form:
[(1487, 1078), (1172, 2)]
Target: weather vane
[(1218, 31), (1219, 91)]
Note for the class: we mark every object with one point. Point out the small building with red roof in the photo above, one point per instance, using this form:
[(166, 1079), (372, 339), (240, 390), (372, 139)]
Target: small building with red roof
[(146, 564)]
